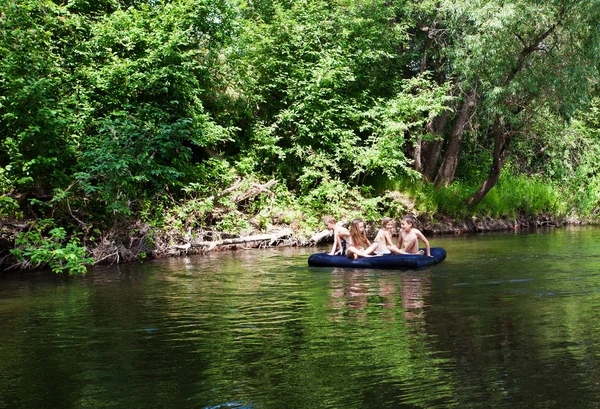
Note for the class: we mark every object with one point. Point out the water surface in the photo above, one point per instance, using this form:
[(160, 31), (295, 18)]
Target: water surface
[(506, 321)]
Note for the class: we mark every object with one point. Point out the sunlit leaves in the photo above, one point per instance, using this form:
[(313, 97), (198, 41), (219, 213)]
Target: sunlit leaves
[(319, 72)]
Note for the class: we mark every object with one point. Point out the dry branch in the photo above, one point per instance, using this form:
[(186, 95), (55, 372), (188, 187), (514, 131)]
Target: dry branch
[(263, 240), (255, 190), (226, 191), (271, 238), (317, 237)]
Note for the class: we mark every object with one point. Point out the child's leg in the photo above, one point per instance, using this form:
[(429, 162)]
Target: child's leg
[(350, 253), (354, 253), (395, 249), (371, 248)]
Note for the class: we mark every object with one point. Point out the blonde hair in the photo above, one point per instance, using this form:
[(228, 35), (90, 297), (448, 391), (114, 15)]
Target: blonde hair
[(359, 239), (329, 219)]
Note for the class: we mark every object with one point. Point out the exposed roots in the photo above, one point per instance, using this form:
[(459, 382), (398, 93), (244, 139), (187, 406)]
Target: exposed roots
[(123, 244)]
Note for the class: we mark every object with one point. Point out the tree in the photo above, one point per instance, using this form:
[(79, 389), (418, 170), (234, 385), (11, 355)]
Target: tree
[(513, 58), (329, 87), (39, 131), (104, 107)]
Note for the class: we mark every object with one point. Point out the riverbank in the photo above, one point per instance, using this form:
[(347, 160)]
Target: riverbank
[(117, 247), (139, 241), (444, 225)]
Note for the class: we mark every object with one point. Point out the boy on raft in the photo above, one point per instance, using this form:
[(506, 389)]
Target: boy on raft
[(339, 244), (408, 242)]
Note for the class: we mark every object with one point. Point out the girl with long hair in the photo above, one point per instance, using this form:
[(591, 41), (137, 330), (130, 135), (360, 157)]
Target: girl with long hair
[(357, 241)]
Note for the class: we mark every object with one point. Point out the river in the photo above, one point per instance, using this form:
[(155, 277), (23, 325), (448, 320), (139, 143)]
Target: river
[(508, 320)]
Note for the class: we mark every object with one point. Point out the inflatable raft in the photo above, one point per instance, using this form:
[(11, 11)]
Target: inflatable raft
[(390, 261)]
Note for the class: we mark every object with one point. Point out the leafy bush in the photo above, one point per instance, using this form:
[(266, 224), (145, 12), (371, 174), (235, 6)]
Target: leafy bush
[(35, 248)]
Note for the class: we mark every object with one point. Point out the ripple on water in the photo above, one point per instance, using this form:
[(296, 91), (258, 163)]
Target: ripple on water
[(507, 321)]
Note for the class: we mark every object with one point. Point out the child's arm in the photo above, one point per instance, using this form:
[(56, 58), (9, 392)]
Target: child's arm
[(420, 236), (388, 238), (341, 234), (336, 241), (400, 239)]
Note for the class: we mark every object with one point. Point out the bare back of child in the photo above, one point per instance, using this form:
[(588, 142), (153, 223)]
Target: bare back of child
[(339, 234)]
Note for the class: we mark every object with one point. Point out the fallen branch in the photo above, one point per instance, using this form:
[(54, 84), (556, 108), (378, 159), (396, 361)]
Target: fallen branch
[(256, 189), (272, 239), (115, 255), (226, 191), (317, 237), (185, 247)]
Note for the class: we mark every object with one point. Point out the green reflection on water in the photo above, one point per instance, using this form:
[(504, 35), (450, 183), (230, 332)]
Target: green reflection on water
[(508, 320)]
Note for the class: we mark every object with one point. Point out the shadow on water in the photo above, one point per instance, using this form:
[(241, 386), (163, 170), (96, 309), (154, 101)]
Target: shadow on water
[(506, 321)]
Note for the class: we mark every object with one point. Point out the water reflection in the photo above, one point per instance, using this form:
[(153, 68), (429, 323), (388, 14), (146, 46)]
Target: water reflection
[(358, 290), (385, 315), (507, 321), (415, 288)]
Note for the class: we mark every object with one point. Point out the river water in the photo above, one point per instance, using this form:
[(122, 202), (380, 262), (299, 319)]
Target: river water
[(508, 320)]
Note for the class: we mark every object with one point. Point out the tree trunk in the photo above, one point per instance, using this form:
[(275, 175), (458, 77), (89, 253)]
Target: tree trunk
[(418, 148), (416, 154), (430, 151), (447, 170), (501, 142)]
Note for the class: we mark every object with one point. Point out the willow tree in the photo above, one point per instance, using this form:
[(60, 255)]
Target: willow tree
[(512, 59)]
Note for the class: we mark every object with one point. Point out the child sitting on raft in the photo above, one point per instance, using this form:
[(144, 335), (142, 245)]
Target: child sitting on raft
[(358, 244), (408, 242), (384, 238), (339, 244)]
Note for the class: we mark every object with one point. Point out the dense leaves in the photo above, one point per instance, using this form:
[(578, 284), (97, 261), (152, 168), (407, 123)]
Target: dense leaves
[(121, 110)]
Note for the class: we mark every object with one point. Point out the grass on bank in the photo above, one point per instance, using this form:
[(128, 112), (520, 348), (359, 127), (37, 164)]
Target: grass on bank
[(513, 196)]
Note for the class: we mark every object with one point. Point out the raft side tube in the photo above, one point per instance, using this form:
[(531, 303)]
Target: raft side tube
[(390, 261)]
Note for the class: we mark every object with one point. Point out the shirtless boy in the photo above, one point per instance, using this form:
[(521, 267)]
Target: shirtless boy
[(339, 244), (408, 243)]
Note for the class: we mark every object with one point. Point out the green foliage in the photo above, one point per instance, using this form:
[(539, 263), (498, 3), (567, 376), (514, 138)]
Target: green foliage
[(213, 175), (332, 103), (37, 105), (232, 223), (525, 61), (514, 195), (47, 245), (565, 155), (396, 124), (123, 110), (581, 157), (110, 107), (152, 73), (521, 195), (9, 207), (520, 50)]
